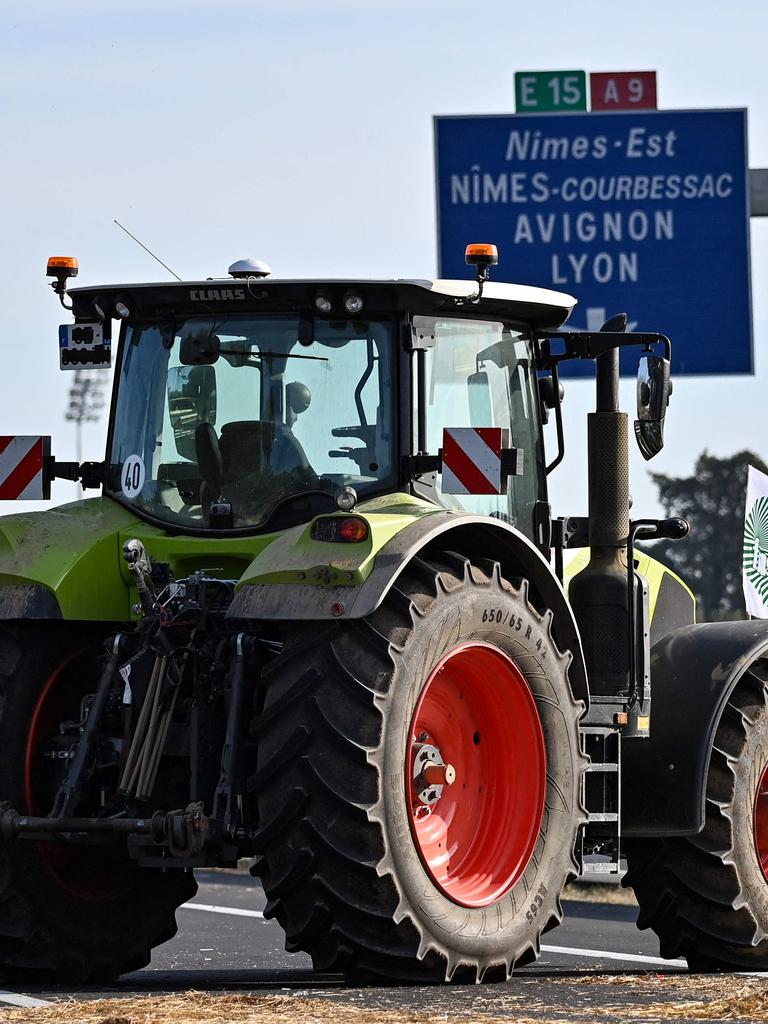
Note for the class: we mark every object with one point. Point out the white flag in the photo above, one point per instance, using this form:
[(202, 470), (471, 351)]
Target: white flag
[(755, 564)]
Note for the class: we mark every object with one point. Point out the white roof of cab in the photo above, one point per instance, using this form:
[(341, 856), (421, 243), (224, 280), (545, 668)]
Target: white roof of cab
[(504, 292), (442, 286), (542, 308)]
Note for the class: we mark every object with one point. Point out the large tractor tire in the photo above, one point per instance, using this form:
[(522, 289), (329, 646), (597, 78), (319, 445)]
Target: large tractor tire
[(419, 781), (78, 913), (706, 896)]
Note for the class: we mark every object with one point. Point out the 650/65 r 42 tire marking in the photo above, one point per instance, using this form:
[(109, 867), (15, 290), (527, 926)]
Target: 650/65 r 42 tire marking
[(345, 872)]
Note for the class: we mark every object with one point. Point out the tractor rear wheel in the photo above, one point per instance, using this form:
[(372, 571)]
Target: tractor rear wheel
[(706, 896), (75, 912), (419, 779)]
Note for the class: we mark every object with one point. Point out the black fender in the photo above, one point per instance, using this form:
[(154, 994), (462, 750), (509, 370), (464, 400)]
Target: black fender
[(693, 672), (473, 536)]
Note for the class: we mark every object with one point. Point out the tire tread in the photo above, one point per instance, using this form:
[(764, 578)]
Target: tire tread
[(343, 908)]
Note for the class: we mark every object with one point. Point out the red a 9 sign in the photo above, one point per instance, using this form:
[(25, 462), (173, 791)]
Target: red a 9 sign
[(622, 90)]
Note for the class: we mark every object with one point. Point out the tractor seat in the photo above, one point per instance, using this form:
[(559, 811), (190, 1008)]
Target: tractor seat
[(247, 446)]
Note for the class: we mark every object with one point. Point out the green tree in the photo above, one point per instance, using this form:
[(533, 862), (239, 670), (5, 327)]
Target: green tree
[(709, 559)]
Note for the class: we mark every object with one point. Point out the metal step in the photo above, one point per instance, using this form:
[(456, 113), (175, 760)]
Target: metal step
[(600, 835)]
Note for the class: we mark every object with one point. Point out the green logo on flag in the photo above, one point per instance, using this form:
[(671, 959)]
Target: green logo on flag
[(756, 548)]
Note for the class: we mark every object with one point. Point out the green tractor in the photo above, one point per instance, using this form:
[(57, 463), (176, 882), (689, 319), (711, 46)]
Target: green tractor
[(317, 617)]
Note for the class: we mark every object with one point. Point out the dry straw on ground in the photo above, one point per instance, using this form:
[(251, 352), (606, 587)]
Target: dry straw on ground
[(717, 997), (649, 998), (202, 1008)]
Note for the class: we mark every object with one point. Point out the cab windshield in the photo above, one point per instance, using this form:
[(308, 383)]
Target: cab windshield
[(248, 412)]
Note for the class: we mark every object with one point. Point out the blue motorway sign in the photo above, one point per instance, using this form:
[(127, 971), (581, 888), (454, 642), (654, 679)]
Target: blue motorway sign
[(645, 213)]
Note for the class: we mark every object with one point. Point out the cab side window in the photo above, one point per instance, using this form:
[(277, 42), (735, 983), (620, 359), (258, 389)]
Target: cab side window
[(480, 374)]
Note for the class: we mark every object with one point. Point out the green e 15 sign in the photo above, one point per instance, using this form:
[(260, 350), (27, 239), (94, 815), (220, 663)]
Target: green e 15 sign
[(546, 91)]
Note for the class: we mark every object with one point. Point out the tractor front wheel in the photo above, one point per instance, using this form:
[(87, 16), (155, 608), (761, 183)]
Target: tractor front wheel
[(419, 777)]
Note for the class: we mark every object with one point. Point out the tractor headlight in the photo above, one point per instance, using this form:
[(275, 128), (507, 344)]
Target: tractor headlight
[(346, 499), (353, 303), (323, 302)]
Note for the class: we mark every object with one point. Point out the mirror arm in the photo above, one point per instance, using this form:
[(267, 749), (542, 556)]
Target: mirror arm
[(90, 474), (591, 344), (558, 422)]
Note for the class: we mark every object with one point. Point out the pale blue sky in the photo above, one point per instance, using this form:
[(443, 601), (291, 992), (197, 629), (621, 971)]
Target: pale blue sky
[(301, 133)]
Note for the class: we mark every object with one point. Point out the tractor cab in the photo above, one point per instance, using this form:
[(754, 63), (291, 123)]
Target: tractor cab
[(252, 404)]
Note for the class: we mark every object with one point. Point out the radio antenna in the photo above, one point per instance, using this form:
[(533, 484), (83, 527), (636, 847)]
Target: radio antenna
[(136, 240)]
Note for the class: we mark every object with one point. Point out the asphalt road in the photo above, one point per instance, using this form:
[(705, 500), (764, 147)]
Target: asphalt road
[(225, 945), (215, 939)]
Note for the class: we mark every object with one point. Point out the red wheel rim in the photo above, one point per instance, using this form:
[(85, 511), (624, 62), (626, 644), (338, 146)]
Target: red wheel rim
[(88, 874), (43, 722), (761, 822), (477, 838)]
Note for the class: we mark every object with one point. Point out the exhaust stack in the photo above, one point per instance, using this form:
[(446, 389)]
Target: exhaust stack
[(599, 593)]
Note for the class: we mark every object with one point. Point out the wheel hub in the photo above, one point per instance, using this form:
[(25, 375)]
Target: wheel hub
[(430, 773)]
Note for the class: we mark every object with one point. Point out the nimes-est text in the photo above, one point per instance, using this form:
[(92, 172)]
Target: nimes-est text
[(567, 227)]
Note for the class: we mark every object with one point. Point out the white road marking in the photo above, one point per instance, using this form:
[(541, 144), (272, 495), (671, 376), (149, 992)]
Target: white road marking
[(15, 999), (212, 908), (601, 954), (604, 955)]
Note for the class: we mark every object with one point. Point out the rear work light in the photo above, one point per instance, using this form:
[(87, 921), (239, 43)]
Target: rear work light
[(340, 530)]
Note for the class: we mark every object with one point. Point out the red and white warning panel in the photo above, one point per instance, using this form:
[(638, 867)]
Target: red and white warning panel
[(23, 475), (471, 460)]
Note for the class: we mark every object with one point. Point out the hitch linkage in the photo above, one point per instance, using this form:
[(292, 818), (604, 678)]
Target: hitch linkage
[(183, 832), (68, 795)]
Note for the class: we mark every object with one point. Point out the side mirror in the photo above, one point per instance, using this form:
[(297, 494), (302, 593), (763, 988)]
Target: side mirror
[(548, 398), (479, 394), (191, 401), (653, 390)]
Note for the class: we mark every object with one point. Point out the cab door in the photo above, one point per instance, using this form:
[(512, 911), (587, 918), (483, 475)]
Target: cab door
[(481, 373)]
